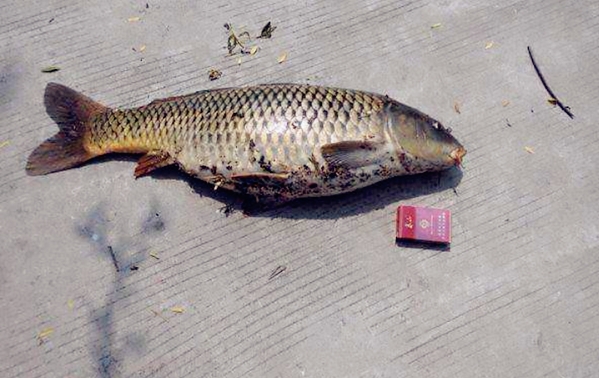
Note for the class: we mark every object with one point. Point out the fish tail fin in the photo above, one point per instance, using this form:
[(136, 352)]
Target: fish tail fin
[(72, 111)]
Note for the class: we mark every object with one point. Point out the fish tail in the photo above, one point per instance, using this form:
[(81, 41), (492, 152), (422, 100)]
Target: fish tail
[(73, 113)]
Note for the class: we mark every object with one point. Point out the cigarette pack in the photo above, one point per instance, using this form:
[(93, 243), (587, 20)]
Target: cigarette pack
[(424, 224)]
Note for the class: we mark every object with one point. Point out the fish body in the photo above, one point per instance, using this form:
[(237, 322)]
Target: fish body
[(274, 142)]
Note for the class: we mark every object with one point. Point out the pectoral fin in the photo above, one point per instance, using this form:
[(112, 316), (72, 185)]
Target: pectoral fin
[(352, 154), (152, 161)]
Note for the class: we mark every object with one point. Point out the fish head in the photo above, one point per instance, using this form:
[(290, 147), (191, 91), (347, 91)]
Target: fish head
[(421, 142)]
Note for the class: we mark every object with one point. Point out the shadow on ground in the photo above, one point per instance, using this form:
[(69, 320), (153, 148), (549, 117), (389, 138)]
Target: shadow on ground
[(111, 246), (361, 201)]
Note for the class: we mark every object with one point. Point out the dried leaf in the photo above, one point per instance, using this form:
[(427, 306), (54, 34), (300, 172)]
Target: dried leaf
[(529, 150), (45, 332), (552, 101), (4, 144), (214, 74), (142, 48), (134, 19), (177, 309), (282, 58), (456, 107), (50, 69), (253, 50), (267, 30), (233, 40), (71, 304), (436, 26), (154, 255), (231, 43), (505, 103), (239, 61), (489, 45)]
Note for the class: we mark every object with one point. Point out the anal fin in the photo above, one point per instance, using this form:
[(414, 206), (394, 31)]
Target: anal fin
[(152, 161)]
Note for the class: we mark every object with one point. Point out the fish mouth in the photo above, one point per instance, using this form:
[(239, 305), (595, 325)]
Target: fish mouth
[(457, 155)]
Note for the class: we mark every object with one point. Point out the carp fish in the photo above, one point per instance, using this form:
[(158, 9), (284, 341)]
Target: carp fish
[(274, 142)]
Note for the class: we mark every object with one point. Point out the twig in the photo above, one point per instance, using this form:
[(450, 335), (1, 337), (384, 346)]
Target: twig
[(563, 107), (113, 256), (278, 270)]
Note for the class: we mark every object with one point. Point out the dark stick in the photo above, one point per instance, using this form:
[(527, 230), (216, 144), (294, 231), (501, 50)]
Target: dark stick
[(563, 107), (278, 270), (113, 256)]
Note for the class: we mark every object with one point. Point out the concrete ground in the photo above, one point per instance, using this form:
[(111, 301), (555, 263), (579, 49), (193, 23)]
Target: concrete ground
[(318, 288)]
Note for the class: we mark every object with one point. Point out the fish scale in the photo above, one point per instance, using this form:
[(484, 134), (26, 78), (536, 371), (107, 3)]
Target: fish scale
[(263, 107), (276, 141)]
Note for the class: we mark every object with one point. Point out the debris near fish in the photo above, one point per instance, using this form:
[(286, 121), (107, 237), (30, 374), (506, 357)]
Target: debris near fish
[(244, 38), (277, 271), (50, 69), (282, 58), (267, 31), (227, 210), (234, 40), (44, 334), (272, 143), (456, 107), (158, 314), (214, 74)]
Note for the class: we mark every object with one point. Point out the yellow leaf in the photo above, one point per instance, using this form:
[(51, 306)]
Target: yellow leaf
[(4, 144), (71, 304), (239, 61), (505, 103), (529, 150), (45, 332), (133, 19), (142, 48), (552, 101), (177, 309), (282, 57), (154, 255), (436, 26), (489, 45), (253, 50)]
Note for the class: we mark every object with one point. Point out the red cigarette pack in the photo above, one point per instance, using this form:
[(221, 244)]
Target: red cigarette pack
[(424, 224)]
